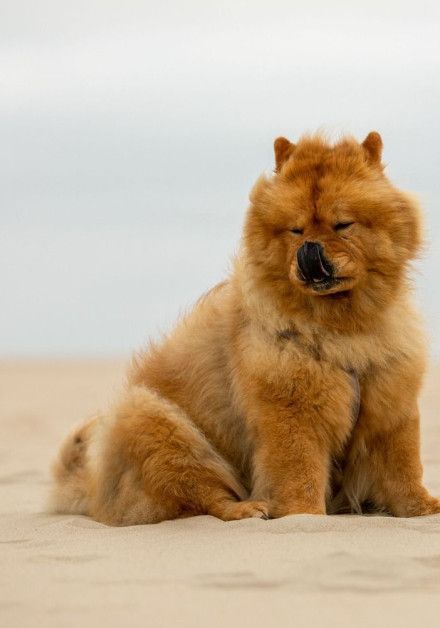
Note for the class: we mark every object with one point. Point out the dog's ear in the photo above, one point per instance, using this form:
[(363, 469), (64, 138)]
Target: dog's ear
[(283, 149), (372, 146)]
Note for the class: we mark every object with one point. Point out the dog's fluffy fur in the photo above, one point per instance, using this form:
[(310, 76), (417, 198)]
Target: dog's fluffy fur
[(274, 396)]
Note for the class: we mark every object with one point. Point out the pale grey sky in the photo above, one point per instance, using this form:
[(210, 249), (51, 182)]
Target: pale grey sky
[(133, 131)]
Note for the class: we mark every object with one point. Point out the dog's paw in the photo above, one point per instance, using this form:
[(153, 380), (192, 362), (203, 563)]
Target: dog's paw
[(420, 506), (430, 506), (231, 511), (283, 510)]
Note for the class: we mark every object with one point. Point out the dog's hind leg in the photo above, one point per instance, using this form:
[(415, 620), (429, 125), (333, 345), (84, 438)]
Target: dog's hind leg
[(156, 464)]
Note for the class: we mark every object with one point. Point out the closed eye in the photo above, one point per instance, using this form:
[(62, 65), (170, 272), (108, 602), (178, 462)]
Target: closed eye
[(298, 231), (339, 226)]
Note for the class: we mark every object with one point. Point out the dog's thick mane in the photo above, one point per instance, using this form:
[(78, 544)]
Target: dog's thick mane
[(310, 166)]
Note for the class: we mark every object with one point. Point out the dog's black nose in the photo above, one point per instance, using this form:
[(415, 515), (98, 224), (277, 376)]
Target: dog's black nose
[(312, 264)]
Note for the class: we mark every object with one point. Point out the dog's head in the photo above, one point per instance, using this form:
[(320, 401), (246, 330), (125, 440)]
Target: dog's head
[(329, 223)]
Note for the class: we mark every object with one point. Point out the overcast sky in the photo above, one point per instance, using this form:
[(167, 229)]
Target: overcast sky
[(131, 133)]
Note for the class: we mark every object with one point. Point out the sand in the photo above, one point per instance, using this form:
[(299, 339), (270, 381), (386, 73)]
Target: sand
[(300, 571)]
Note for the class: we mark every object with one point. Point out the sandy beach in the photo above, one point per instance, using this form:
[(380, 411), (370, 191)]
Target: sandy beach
[(300, 571)]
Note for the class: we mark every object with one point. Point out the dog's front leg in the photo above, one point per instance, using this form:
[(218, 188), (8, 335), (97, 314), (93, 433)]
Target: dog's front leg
[(296, 432), (391, 463), (385, 452), (291, 464)]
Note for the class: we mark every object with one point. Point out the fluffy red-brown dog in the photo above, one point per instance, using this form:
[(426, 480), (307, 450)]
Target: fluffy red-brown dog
[(291, 387)]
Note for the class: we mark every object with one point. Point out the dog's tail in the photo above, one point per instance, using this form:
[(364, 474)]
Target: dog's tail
[(72, 475)]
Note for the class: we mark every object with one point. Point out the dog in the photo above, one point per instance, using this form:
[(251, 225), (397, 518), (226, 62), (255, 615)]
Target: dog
[(292, 386)]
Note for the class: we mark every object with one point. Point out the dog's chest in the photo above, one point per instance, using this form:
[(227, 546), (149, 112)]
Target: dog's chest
[(352, 354)]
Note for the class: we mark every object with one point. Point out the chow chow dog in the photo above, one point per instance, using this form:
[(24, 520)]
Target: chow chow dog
[(292, 386)]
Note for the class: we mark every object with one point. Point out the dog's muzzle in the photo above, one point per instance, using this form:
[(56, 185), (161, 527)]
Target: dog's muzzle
[(313, 266)]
